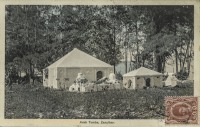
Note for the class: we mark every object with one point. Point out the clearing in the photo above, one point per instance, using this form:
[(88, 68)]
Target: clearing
[(37, 102)]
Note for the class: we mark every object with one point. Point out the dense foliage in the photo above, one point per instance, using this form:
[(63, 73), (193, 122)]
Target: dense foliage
[(37, 36)]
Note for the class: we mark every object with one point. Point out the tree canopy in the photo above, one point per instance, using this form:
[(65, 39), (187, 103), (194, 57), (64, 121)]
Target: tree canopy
[(38, 35)]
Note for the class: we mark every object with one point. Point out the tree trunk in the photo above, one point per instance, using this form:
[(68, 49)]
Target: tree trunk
[(143, 59), (176, 55), (137, 46), (180, 64), (158, 63), (114, 68), (158, 60), (163, 64), (125, 45), (176, 52), (188, 66), (186, 54), (130, 64), (190, 59), (125, 59), (114, 48)]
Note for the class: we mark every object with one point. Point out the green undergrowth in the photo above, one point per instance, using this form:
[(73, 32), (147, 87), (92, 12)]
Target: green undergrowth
[(37, 102)]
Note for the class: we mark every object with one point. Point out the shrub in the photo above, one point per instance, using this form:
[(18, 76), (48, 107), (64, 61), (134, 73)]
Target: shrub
[(182, 75)]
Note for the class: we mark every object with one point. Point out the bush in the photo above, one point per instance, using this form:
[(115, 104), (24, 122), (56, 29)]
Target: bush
[(182, 75), (119, 76)]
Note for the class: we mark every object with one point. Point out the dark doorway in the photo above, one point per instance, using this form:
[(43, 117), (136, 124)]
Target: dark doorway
[(148, 80), (99, 75), (129, 83)]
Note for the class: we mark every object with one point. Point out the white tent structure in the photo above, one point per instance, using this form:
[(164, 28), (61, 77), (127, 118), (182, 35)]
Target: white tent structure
[(171, 80), (63, 72), (142, 77)]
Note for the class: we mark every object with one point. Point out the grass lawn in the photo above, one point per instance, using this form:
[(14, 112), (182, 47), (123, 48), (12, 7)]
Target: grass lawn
[(38, 102)]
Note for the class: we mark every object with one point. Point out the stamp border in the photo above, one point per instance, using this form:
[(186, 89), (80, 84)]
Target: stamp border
[(198, 111)]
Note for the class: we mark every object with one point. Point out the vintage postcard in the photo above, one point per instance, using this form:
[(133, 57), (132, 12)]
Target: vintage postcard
[(100, 63)]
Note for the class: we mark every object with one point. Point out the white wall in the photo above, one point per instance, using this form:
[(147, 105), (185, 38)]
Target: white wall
[(50, 77), (158, 81), (126, 80), (71, 74), (45, 81), (140, 82)]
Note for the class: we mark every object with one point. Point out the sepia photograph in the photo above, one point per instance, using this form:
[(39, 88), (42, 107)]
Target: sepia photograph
[(97, 61)]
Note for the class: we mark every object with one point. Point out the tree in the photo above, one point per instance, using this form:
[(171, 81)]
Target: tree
[(37, 36), (25, 35), (166, 38), (40, 35)]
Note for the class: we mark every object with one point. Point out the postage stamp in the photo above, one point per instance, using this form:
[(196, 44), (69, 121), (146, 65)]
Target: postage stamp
[(99, 63), (181, 110)]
